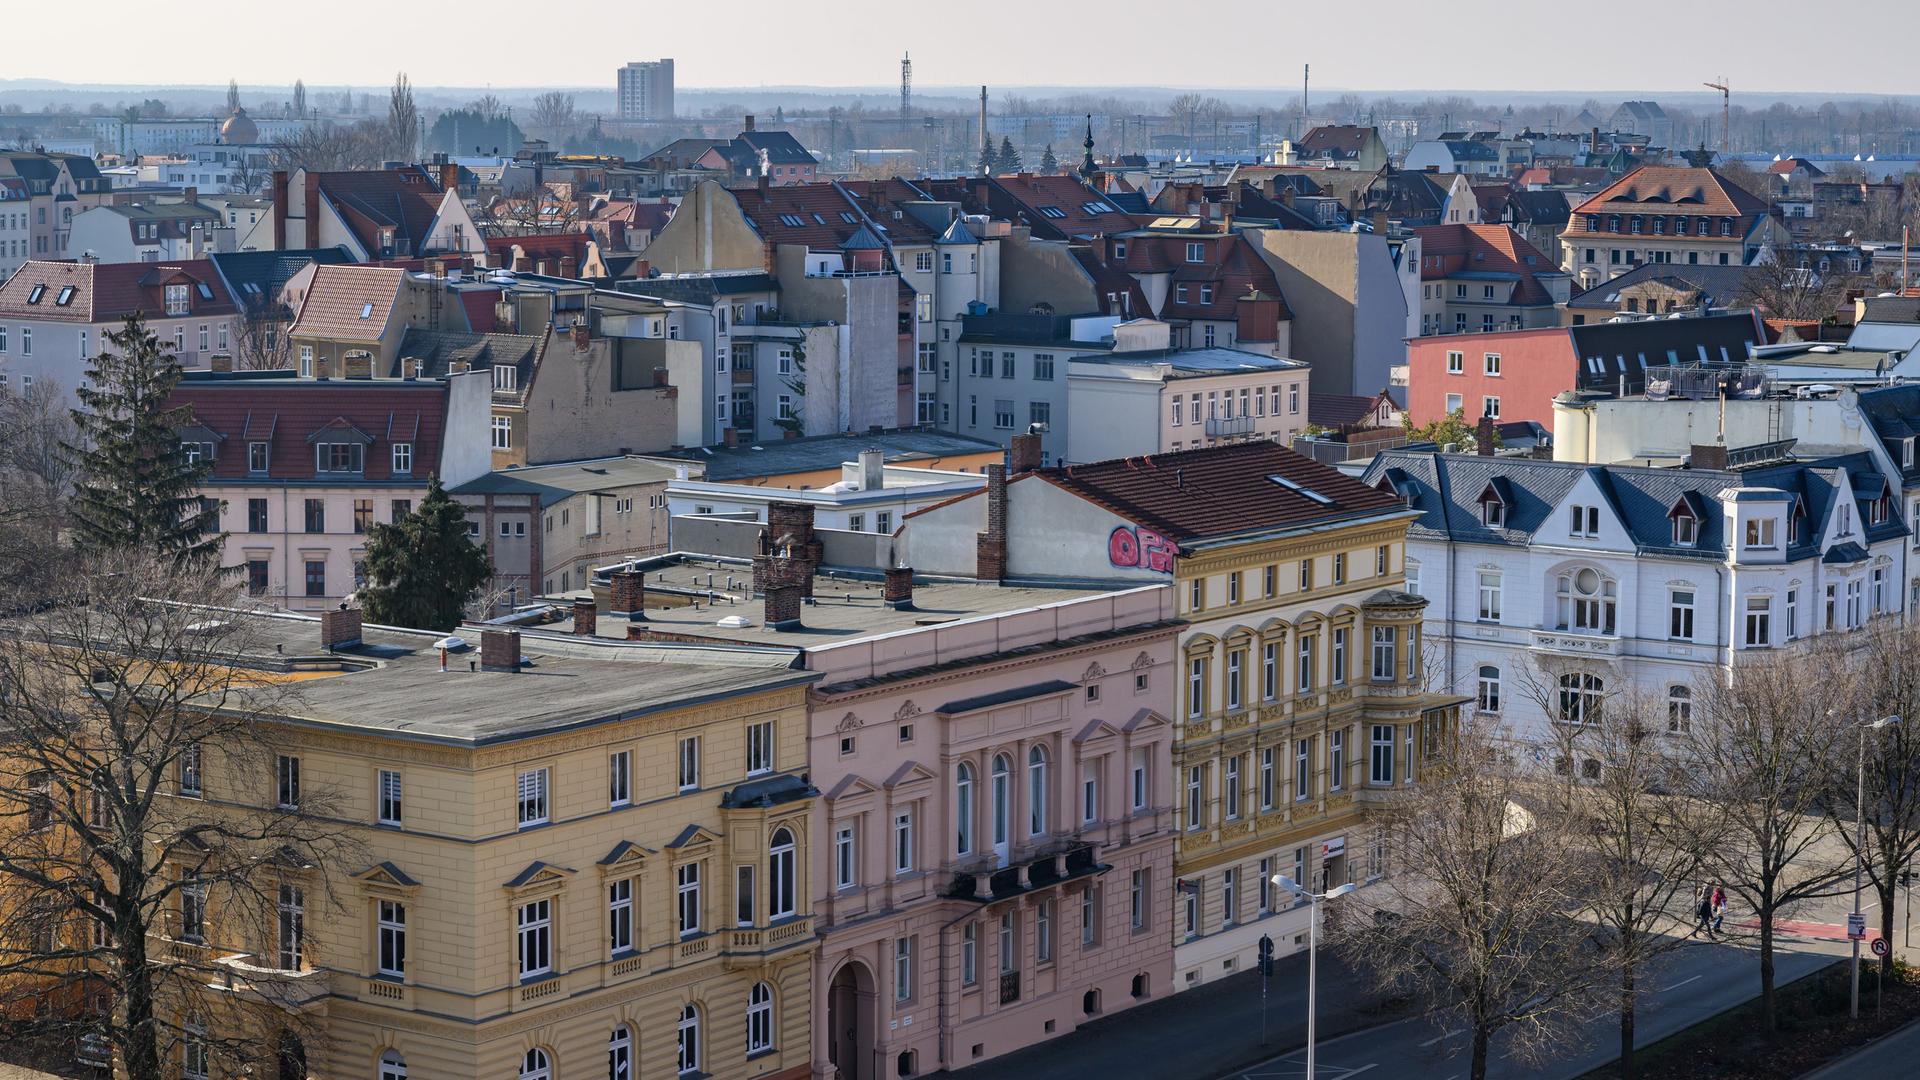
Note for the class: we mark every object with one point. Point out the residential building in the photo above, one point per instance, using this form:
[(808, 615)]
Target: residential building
[(16, 232), (303, 467), (409, 212), (57, 187), (1667, 214), (1347, 301), (1467, 157), (1661, 289), (546, 527), (150, 232), (133, 138), (1158, 401), (1013, 372), (351, 320), (1541, 218), (1485, 277), (619, 878), (870, 497), (1347, 146), (55, 316), (1515, 375), (1299, 692), (817, 461), (753, 154), (1644, 118), (1211, 288), (643, 90), (1557, 586)]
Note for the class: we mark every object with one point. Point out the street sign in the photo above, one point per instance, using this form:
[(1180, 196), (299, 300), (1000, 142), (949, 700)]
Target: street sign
[(1856, 925), (1880, 947)]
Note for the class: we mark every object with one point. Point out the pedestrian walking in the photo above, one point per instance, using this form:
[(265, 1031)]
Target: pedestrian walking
[(1705, 913), (1719, 907)]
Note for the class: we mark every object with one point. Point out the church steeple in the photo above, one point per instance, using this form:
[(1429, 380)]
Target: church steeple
[(1088, 168)]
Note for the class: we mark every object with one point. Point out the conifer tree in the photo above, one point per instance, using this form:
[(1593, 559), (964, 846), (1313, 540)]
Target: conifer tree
[(1009, 158), (422, 571), (1049, 163), (138, 486)]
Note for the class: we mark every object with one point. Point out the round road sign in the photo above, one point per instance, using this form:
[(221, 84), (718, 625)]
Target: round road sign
[(1879, 946)]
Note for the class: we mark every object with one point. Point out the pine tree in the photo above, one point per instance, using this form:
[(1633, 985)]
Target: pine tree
[(986, 159), (1049, 163), (1009, 158), (138, 487), (422, 570)]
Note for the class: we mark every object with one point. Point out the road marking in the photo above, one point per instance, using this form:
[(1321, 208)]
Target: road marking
[(1682, 983), (1441, 1038)]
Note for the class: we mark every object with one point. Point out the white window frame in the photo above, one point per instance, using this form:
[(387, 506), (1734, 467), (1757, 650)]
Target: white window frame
[(533, 789)]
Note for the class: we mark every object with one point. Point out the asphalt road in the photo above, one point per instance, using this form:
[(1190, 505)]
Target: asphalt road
[(1694, 983)]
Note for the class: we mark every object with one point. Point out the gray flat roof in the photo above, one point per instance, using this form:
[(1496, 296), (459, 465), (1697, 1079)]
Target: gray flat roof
[(775, 457), (1214, 361), (566, 684), (557, 481)]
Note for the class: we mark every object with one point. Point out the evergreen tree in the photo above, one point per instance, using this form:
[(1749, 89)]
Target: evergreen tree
[(1009, 158), (986, 158), (138, 487), (1049, 163), (422, 570)]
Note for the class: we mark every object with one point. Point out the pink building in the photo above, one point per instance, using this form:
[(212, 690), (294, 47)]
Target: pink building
[(996, 848)]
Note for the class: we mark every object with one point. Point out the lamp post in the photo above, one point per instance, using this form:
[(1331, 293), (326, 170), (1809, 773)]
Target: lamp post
[(1314, 900), (1859, 856)]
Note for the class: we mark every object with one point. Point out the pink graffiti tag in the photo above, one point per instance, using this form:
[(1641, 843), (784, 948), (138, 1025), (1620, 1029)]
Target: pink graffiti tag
[(1132, 546)]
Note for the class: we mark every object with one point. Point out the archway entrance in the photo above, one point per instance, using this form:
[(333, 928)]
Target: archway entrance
[(850, 1022), (292, 1054)]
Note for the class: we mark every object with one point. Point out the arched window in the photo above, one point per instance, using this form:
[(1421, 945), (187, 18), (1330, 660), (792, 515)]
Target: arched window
[(537, 1066), (620, 1054), (393, 1066), (1002, 799), (780, 884), (1488, 698), (760, 1019), (1585, 601), (1037, 791), (1580, 695), (1679, 709), (963, 808), (690, 1039)]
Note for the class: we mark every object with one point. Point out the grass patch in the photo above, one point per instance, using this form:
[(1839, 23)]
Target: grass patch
[(1814, 1030)]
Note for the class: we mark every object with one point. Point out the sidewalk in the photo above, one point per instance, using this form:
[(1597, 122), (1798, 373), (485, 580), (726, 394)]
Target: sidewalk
[(1202, 1032)]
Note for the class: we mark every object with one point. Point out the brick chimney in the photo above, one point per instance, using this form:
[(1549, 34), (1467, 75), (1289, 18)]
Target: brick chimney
[(748, 122), (990, 547), (792, 524), (449, 176), (1707, 456), (1023, 455), (898, 592), (627, 595), (586, 616), (220, 362), (279, 209), (783, 606), (568, 267), (340, 628), (312, 209), (1483, 436), (499, 649)]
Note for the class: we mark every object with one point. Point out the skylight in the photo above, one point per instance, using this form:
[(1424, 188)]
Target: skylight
[(206, 292), (1052, 212), (847, 216), (65, 297), (1300, 489), (1096, 208), (792, 221), (34, 294), (366, 310)]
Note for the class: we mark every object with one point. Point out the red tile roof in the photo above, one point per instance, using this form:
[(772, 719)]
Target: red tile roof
[(1670, 189), (348, 303), (816, 215), (1230, 265), (551, 247), (1055, 207), (1222, 490), (286, 413), (1485, 249), (108, 292)]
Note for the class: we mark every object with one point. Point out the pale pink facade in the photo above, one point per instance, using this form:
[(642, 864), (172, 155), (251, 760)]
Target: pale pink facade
[(954, 929)]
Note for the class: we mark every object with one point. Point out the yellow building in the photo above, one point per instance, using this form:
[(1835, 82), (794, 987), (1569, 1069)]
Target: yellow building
[(589, 856)]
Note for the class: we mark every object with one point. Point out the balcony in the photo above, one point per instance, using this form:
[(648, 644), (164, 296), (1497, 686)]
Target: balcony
[(1576, 643), (1231, 427), (242, 973), (1009, 987)]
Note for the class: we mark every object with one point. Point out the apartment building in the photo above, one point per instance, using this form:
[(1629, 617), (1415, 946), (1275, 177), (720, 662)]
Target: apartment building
[(1485, 277), (1154, 402), (1555, 586), (54, 189), (868, 496), (151, 231), (303, 467), (1300, 690), (408, 212), (617, 877), (1667, 214), (643, 90), (55, 316)]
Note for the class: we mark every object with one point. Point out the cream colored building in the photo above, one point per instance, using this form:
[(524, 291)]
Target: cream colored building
[(581, 858), (1162, 401)]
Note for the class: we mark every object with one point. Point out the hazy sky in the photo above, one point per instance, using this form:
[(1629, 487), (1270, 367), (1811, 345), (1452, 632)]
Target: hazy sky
[(1626, 45)]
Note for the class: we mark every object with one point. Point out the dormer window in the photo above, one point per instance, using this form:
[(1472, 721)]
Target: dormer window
[(1879, 508), (1493, 505), (1906, 452), (338, 457), (176, 297), (198, 452), (1760, 533), (1686, 531)]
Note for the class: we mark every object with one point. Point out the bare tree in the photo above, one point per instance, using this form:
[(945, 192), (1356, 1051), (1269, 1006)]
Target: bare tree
[(262, 343), (299, 99), (1185, 109), (36, 481), (487, 106), (1760, 749), (403, 119), (1480, 916), (1889, 686), (1784, 291), (329, 148), (553, 110), (136, 800)]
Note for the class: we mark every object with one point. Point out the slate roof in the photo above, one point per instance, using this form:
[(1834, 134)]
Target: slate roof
[(1334, 143), (1231, 265), (169, 221), (1629, 348), (1549, 209), (1486, 249), (108, 292), (254, 277), (698, 288), (406, 199), (1343, 410), (554, 483), (287, 412), (1894, 413), (1446, 490), (348, 303), (1720, 284), (1054, 206), (1222, 491), (438, 350), (776, 457)]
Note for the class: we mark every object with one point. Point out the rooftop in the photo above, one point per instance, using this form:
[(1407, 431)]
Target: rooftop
[(777, 457), (556, 482), (1193, 363)]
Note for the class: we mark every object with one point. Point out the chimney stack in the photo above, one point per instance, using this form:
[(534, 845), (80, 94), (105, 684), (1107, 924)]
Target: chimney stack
[(279, 209), (586, 616), (1023, 455), (990, 547), (749, 122), (340, 628), (627, 595), (783, 606), (499, 649), (568, 267), (449, 176), (793, 522), (190, 195), (220, 362), (873, 470), (1483, 436), (898, 592), (1708, 456), (310, 209)]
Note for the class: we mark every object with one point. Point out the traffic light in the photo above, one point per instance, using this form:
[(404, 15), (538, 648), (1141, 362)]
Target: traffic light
[(1266, 956)]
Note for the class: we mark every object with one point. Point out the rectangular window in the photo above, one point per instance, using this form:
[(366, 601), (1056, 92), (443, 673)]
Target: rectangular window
[(1269, 671), (689, 763), (1381, 762), (1233, 788), (288, 788), (1140, 780), (1680, 615), (687, 897), (293, 927), (1793, 614), (1197, 686), (535, 925), (1090, 792), (1304, 680), (391, 923), (1760, 533), (845, 869), (362, 515), (760, 748), (620, 916), (970, 955), (1043, 932), (1191, 899), (1137, 900), (1266, 778), (189, 771), (1306, 575), (257, 515), (903, 842), (1489, 596), (316, 515), (1759, 620), (1340, 568), (193, 1053), (391, 805), (1230, 895), (1196, 798), (620, 778), (532, 791), (1235, 661), (1336, 759), (1338, 658), (1303, 771), (1385, 653), (903, 969)]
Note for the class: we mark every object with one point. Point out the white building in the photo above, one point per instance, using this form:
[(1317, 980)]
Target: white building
[(1554, 586), (870, 497), (643, 90), (55, 316), (1157, 402), (150, 232)]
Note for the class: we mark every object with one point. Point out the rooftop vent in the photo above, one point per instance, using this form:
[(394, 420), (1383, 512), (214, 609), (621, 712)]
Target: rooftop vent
[(1300, 489)]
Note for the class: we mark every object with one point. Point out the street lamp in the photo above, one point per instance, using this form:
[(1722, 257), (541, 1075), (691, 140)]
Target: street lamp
[(1314, 900), (1859, 857)]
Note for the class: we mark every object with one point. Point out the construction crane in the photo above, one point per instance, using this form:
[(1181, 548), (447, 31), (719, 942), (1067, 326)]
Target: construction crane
[(1726, 115)]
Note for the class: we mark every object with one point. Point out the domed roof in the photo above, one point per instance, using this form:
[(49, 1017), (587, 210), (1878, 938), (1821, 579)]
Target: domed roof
[(239, 129)]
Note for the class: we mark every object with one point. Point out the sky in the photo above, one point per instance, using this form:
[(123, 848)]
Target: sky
[(1634, 46)]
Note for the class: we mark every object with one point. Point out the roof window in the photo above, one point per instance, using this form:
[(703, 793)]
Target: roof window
[(1300, 489), (34, 294), (65, 297), (366, 310), (1052, 212), (792, 221), (206, 291)]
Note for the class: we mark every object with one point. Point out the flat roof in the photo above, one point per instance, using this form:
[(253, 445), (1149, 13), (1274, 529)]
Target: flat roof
[(777, 457), (557, 481), (564, 684), (1186, 362)]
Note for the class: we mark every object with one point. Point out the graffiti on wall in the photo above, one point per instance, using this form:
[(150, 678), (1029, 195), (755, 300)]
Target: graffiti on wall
[(1131, 546)]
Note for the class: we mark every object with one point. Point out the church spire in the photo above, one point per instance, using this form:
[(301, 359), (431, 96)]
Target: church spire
[(1088, 168)]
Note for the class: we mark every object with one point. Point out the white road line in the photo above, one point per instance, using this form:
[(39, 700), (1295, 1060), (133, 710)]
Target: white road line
[(1682, 983), (1440, 1038), (1363, 1068)]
